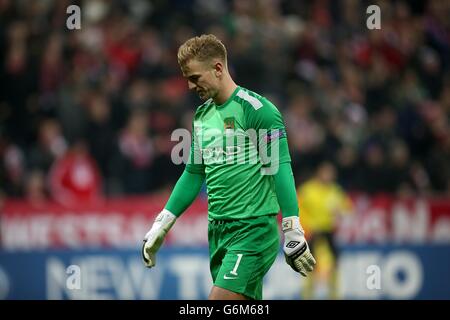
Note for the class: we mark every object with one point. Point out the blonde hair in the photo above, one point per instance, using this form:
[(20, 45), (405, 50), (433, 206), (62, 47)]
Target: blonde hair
[(202, 48)]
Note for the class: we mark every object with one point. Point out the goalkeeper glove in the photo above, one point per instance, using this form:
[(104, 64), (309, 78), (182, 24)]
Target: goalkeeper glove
[(155, 236), (296, 250)]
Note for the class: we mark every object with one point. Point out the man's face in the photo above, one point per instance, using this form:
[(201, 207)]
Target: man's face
[(202, 78), (327, 173)]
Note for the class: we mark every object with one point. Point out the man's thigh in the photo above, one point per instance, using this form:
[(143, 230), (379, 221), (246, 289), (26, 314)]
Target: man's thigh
[(218, 293), (248, 257), (243, 273)]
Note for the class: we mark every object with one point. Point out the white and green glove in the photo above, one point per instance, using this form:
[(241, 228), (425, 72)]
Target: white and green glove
[(155, 237), (296, 249)]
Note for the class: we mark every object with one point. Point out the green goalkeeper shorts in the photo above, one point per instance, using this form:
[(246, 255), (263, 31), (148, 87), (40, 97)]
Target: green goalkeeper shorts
[(241, 252)]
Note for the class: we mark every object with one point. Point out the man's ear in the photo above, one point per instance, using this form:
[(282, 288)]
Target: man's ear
[(218, 68)]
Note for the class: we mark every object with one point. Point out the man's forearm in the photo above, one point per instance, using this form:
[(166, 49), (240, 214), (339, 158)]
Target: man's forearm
[(286, 191), (296, 249), (184, 193)]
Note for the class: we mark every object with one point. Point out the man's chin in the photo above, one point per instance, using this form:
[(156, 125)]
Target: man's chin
[(203, 97)]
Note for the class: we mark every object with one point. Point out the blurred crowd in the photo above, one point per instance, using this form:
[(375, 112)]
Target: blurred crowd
[(89, 113)]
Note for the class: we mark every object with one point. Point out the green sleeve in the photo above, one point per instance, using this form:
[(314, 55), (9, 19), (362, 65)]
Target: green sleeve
[(267, 120), (195, 162), (285, 190), (184, 193), (271, 132)]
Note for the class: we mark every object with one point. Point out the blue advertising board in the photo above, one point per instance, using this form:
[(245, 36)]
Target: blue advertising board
[(366, 272)]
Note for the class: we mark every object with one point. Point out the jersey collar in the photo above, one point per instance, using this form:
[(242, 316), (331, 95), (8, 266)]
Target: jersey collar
[(229, 99)]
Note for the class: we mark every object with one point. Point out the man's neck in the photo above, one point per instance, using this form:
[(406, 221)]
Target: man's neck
[(225, 93)]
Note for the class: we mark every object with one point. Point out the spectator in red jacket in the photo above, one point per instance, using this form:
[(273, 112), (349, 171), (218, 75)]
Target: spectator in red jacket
[(75, 177)]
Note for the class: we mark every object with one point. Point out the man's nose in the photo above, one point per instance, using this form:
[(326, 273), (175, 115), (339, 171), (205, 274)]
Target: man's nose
[(191, 85)]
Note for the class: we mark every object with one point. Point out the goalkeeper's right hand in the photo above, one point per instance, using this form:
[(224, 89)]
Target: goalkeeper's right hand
[(155, 236)]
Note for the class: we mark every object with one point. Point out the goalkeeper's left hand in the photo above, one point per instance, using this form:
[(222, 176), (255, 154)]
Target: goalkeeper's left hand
[(296, 249)]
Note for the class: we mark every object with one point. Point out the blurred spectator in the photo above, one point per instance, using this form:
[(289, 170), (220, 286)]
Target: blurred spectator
[(347, 164), (374, 173), (101, 139), (50, 146), (36, 191), (135, 155), (74, 177), (12, 168), (321, 202)]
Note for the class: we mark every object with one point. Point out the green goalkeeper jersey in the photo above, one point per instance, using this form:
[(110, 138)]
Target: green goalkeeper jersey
[(236, 146)]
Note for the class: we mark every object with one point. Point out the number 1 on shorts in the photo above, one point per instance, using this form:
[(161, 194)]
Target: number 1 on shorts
[(234, 271)]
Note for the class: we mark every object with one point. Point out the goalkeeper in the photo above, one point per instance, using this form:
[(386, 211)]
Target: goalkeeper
[(233, 127)]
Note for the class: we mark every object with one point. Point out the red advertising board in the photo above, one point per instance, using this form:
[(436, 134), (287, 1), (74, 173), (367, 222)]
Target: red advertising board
[(119, 222), (122, 223), (385, 219)]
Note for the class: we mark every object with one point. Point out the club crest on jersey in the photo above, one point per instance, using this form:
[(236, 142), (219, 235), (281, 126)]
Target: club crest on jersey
[(228, 123)]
